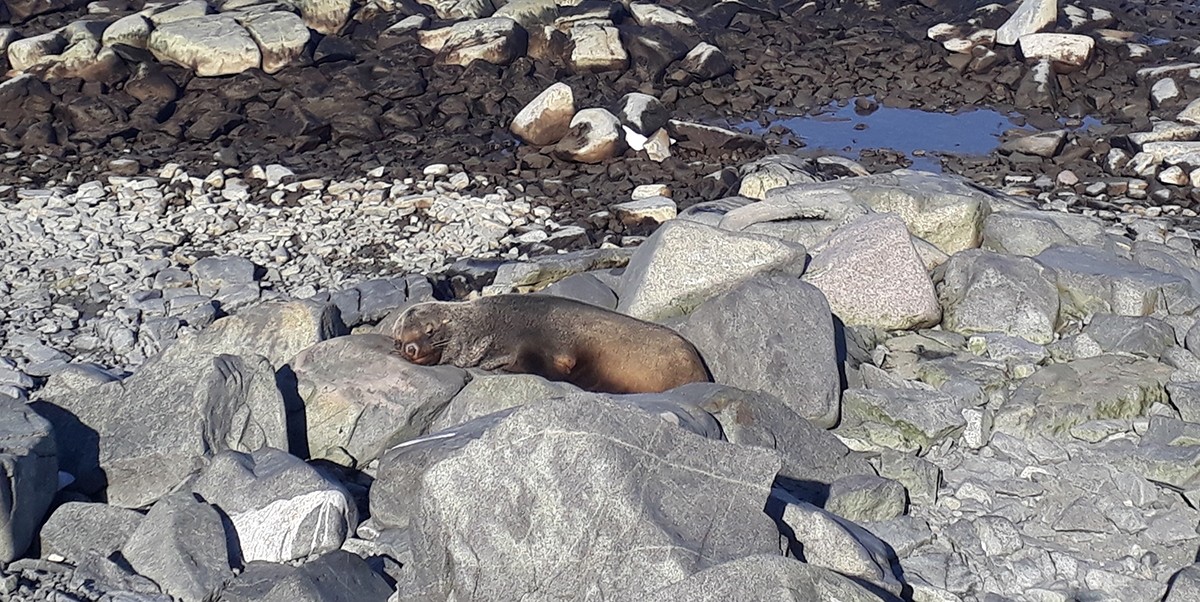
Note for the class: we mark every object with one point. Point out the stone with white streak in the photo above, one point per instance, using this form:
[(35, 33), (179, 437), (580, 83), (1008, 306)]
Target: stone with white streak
[(281, 509)]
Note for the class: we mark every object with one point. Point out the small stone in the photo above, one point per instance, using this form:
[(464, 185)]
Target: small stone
[(1065, 49), (655, 210), (1162, 91), (1175, 176)]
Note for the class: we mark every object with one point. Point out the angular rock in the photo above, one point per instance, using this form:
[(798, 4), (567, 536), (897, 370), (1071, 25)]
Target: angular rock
[(456, 10), (800, 366), (1144, 337), (1185, 585), (907, 420), (360, 397), (76, 528), (594, 136), (1041, 144), (546, 119), (280, 508), (575, 473), (1030, 17), (210, 46), (530, 14), (596, 49), (654, 210), (138, 438), (1060, 396), (584, 287), (773, 172), (684, 263), (281, 37), (1064, 50), (872, 276), (799, 213), (705, 62), (642, 113), (1094, 281), (338, 576), (215, 273), (28, 475), (326, 17), (494, 40), (1028, 233), (181, 546), (490, 393), (27, 52), (131, 30), (866, 498), (984, 292)]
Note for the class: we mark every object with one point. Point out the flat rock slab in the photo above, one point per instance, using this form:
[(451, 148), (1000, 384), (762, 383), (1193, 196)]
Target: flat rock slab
[(871, 275), (28, 475), (685, 263), (772, 334), (280, 508), (210, 45), (361, 397), (1094, 281), (76, 528), (595, 492), (909, 420), (1061, 396)]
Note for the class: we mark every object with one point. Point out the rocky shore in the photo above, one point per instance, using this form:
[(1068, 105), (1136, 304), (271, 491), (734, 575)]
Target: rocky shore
[(980, 384)]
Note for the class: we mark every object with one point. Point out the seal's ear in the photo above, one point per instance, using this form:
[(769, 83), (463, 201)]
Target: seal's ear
[(564, 364)]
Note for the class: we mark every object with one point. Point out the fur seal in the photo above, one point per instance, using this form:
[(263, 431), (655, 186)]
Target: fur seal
[(553, 337)]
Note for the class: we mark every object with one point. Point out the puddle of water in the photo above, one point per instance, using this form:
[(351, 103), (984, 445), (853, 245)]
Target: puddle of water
[(920, 135)]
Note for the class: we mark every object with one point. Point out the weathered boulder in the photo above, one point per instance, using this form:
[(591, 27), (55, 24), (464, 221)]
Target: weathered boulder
[(76, 528), (1141, 336), (684, 263), (1028, 233), (584, 287), (594, 136), (595, 492), (596, 48), (495, 40), (210, 45), (1030, 17), (546, 119), (491, 393), (28, 475), (326, 17), (338, 576), (281, 37), (785, 325), (985, 292), (360, 397), (903, 419), (280, 508), (764, 577), (871, 275), (1094, 281), (181, 546)]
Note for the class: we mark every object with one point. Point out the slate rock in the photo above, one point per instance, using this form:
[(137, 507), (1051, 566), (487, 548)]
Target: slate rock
[(28, 475), (491, 393), (685, 263), (871, 275), (866, 497), (1093, 281), (762, 578), (361, 397), (75, 528), (181, 546), (280, 508), (984, 292), (338, 576), (1141, 336), (138, 438), (1060, 396), (908, 420), (786, 327), (822, 538), (575, 471), (214, 273), (584, 287)]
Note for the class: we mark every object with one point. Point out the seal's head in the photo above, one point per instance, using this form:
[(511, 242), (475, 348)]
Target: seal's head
[(421, 333)]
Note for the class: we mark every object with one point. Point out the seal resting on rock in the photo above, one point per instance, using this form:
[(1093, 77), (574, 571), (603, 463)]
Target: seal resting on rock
[(553, 337)]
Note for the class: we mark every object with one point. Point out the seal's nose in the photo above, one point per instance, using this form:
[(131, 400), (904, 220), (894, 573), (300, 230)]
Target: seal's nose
[(412, 350)]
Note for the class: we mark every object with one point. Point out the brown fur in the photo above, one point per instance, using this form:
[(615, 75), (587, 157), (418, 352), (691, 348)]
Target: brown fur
[(555, 338)]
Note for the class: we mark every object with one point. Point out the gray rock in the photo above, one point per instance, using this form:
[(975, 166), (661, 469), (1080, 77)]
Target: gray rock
[(276, 330), (1092, 281), (872, 276), (181, 546), (804, 213), (1060, 396), (1185, 396), (236, 297), (214, 273), (997, 535), (539, 272), (901, 419), (684, 263), (641, 113), (574, 472), (28, 475), (491, 393), (360, 397), (920, 477), (1041, 144), (799, 366), (334, 577), (764, 577), (386, 298), (866, 497), (139, 438), (985, 292), (1028, 233), (773, 173), (1030, 17), (76, 528), (826, 540), (280, 35), (1144, 337), (1185, 585), (584, 287), (280, 508), (705, 62), (106, 575)]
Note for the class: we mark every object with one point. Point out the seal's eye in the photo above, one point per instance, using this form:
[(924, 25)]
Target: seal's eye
[(412, 350)]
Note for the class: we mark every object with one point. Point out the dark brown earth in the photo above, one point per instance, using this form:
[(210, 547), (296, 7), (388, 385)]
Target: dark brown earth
[(354, 106)]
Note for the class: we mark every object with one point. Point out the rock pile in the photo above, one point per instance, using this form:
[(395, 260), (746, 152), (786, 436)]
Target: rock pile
[(927, 391)]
